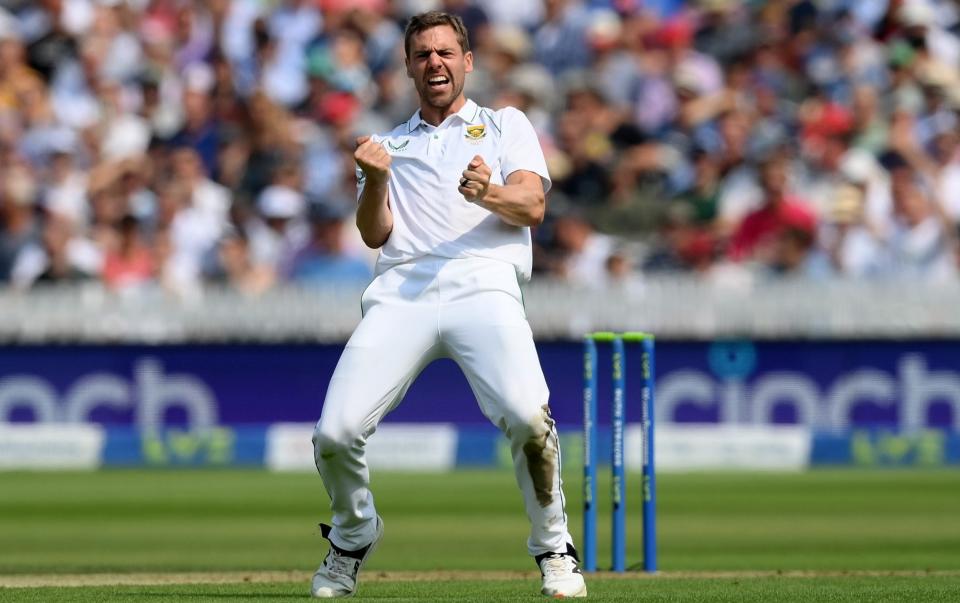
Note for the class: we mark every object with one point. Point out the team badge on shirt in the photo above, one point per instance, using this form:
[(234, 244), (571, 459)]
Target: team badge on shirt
[(398, 147), (475, 133)]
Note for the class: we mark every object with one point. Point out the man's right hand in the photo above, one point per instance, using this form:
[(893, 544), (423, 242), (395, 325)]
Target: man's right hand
[(372, 158)]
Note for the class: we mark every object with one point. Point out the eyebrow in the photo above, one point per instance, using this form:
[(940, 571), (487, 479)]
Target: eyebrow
[(429, 49)]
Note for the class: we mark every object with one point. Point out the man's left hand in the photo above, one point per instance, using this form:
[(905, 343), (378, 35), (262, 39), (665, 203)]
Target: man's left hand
[(475, 181)]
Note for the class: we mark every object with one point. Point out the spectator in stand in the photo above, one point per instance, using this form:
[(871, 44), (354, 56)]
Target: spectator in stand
[(279, 229), (693, 230), (200, 130), (655, 102), (22, 94), (853, 246), (294, 24), (19, 226), (509, 47), (779, 210), (64, 189), (234, 267), (526, 14), (946, 171), (206, 195), (584, 252), (916, 22), (871, 129), (324, 261), (271, 144), (122, 133), (129, 265), (122, 49), (920, 245), (676, 35), (725, 31), (832, 161), (475, 19), (795, 255), (613, 65), (560, 42), (198, 210), (61, 256), (583, 135)]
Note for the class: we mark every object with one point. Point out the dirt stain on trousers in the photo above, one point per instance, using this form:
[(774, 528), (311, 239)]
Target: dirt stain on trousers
[(543, 459)]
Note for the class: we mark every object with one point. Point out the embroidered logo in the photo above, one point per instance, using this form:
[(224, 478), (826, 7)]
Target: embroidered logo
[(398, 147), (475, 132)]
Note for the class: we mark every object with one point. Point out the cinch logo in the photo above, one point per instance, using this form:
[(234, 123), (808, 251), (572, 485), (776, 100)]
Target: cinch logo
[(151, 394), (907, 397), (399, 147)]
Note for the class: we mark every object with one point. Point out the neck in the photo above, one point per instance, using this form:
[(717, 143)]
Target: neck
[(15, 221), (435, 115)]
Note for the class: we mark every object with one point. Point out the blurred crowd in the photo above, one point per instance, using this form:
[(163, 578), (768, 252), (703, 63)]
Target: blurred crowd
[(170, 144)]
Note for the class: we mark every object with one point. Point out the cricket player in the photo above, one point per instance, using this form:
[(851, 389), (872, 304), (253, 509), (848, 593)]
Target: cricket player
[(449, 198)]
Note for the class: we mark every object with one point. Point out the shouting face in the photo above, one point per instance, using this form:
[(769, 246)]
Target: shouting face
[(438, 66)]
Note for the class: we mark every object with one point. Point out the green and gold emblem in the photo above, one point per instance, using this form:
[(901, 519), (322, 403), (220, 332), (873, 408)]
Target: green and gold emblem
[(475, 132)]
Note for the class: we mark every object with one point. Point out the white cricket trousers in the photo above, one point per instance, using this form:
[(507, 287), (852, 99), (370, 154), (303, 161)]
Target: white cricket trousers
[(469, 310)]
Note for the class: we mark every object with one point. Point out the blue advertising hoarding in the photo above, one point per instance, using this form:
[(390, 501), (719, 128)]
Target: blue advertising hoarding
[(830, 386), (866, 403)]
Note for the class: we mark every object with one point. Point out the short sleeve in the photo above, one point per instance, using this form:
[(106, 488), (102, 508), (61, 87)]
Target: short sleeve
[(521, 147)]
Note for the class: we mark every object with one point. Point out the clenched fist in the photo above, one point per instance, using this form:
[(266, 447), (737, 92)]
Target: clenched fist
[(476, 180), (372, 158)]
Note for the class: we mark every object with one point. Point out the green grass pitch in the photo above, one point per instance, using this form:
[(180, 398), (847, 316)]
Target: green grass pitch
[(843, 535)]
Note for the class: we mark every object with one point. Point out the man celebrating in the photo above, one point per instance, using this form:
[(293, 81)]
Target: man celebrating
[(448, 197)]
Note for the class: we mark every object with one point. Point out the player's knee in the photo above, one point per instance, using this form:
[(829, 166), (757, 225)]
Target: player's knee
[(329, 442), (526, 427)]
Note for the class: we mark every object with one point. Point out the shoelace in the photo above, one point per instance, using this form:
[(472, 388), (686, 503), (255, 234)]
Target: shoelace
[(340, 564), (558, 564)]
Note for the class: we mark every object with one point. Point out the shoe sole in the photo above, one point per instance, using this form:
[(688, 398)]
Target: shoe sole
[(577, 595)]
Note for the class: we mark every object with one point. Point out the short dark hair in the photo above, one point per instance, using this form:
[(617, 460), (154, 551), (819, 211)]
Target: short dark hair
[(435, 18)]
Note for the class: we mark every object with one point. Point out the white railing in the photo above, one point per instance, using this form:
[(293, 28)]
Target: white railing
[(686, 308), (671, 308)]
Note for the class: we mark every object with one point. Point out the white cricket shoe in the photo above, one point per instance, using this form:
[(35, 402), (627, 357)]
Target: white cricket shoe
[(337, 576), (562, 577)]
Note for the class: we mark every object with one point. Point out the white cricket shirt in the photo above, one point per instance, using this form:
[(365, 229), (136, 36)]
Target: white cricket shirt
[(430, 216)]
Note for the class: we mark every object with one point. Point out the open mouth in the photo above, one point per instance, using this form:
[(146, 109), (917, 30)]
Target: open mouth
[(438, 81)]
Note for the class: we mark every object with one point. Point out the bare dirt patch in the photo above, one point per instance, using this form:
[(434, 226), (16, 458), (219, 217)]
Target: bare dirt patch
[(157, 579)]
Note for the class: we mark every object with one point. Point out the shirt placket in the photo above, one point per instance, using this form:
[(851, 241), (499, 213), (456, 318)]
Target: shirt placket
[(434, 142)]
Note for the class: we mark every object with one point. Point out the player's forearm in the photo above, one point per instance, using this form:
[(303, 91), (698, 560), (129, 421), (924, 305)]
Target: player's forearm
[(516, 204), (374, 218)]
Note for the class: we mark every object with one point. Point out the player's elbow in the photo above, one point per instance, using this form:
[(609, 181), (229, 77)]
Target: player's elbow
[(372, 236), (538, 210), (373, 241)]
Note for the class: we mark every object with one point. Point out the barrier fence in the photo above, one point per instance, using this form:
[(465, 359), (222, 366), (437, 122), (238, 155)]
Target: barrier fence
[(674, 308)]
